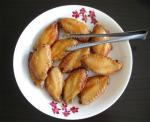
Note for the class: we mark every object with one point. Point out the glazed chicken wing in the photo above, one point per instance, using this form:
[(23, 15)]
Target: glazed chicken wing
[(49, 36), (39, 63), (74, 26), (73, 60), (54, 83), (101, 64), (104, 48), (94, 87), (60, 46), (74, 84)]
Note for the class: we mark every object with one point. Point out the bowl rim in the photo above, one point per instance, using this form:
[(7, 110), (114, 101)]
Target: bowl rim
[(119, 94)]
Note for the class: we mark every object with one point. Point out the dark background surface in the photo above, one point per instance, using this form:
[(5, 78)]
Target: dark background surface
[(134, 104)]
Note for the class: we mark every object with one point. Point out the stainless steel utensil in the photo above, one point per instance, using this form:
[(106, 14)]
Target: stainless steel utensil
[(116, 37)]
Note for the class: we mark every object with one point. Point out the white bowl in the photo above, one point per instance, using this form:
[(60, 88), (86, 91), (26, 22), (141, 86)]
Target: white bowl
[(38, 97)]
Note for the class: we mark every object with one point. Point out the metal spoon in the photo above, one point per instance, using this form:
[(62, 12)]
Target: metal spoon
[(117, 37)]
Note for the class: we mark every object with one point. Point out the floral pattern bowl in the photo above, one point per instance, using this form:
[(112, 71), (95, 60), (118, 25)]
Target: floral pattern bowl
[(39, 97)]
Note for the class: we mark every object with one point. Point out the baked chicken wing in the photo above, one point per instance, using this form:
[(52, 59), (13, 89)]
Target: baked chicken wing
[(101, 64), (94, 87), (60, 46), (54, 83), (73, 60), (71, 25), (39, 63), (49, 36), (104, 48), (74, 84)]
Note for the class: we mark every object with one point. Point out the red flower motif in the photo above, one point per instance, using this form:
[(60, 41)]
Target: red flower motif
[(56, 110), (84, 17), (53, 104), (74, 109), (75, 14), (82, 11), (64, 106), (91, 14), (66, 113), (93, 20)]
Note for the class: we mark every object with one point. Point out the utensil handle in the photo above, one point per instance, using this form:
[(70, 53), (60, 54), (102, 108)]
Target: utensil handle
[(128, 33), (141, 36)]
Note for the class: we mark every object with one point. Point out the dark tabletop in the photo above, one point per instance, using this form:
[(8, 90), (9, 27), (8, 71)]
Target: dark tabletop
[(134, 104)]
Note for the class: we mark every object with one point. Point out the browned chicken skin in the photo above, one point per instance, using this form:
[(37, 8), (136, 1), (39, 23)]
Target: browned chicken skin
[(73, 60), (101, 64), (74, 26), (49, 49), (60, 46), (39, 63), (49, 36), (100, 49), (94, 87), (74, 84), (54, 83)]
